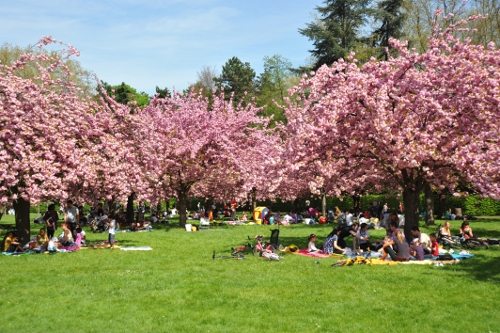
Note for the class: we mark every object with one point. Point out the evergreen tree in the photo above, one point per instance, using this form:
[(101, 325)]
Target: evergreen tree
[(337, 30), (236, 78), (163, 92), (126, 94), (391, 16)]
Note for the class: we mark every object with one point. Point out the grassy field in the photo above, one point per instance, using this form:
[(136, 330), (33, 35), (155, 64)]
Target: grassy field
[(177, 287)]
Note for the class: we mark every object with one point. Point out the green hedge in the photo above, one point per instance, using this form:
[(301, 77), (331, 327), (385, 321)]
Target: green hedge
[(471, 205), (475, 205)]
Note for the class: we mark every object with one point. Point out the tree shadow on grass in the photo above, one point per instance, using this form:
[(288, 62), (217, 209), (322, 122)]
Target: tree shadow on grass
[(486, 233), (480, 268)]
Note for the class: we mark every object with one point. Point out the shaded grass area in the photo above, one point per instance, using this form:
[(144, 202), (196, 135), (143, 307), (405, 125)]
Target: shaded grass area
[(177, 287)]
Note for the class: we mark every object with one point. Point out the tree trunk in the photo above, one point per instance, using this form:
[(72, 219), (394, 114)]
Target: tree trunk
[(182, 201), (323, 204), (158, 208), (111, 208), (356, 203), (22, 209), (129, 215), (410, 200), (254, 199), (429, 204)]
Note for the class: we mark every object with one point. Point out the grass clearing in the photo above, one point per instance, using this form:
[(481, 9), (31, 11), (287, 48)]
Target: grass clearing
[(177, 287)]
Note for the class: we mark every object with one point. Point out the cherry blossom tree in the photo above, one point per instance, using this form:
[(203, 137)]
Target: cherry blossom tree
[(210, 149), (113, 153), (43, 121), (399, 124)]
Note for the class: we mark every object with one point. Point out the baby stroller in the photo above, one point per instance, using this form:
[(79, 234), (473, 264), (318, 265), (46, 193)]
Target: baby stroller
[(99, 224)]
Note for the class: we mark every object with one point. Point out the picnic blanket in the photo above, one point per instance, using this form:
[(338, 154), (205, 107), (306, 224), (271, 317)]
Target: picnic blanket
[(430, 262), (136, 248), (306, 253)]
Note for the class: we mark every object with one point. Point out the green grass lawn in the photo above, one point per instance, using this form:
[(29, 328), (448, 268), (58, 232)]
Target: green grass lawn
[(177, 287)]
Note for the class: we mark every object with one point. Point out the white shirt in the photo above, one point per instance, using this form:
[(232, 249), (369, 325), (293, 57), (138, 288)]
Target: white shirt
[(348, 219), (112, 226)]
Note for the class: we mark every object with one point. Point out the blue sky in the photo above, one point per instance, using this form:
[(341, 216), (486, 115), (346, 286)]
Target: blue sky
[(162, 42)]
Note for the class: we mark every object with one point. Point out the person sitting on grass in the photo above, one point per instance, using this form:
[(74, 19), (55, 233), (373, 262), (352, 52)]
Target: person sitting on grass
[(66, 238), (466, 231), (80, 236), (395, 245), (260, 247), (445, 230), (423, 239), (83, 235), (11, 243), (333, 244), (311, 245), (41, 241), (416, 249), (265, 251), (434, 245), (363, 237)]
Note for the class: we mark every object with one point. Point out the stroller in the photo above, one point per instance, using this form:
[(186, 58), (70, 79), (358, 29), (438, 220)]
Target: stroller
[(99, 224)]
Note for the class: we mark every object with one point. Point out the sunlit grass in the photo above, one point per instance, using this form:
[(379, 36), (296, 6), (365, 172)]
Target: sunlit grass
[(177, 287)]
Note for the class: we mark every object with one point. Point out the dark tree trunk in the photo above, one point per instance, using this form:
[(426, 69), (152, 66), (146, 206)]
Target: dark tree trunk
[(158, 208), (111, 208), (356, 203), (22, 209), (410, 201), (323, 204), (254, 199), (129, 215), (182, 201), (440, 208), (429, 204)]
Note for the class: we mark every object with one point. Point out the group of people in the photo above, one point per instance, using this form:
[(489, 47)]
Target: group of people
[(395, 245), (71, 238), (42, 242), (335, 241)]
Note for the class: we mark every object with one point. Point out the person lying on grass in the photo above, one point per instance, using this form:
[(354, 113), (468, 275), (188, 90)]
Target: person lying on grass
[(139, 226)]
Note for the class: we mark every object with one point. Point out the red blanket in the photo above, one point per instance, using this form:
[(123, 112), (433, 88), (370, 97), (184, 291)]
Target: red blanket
[(306, 253)]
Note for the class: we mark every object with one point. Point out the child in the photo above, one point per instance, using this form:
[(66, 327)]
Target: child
[(111, 232), (434, 245), (267, 251), (259, 247), (311, 246), (80, 236)]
